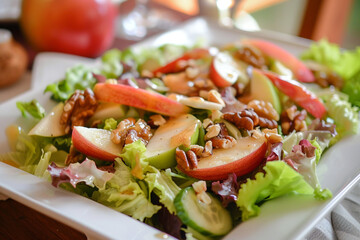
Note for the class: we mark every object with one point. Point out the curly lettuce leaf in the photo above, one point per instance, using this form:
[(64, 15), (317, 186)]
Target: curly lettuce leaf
[(75, 173), (303, 159), (78, 77), (124, 194), (346, 117), (345, 63), (32, 107), (226, 189), (278, 179), (111, 63), (133, 156), (161, 183)]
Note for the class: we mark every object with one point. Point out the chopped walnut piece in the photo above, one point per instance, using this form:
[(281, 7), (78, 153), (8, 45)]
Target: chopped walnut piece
[(214, 96), (181, 159), (248, 119), (207, 122), (156, 120), (74, 156), (207, 149), (292, 119), (251, 56), (201, 151), (272, 136), (264, 109), (223, 142), (197, 149), (200, 191), (78, 108), (129, 131), (212, 131), (192, 159)]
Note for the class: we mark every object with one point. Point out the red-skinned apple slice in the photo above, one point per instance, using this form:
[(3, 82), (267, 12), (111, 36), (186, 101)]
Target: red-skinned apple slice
[(172, 66), (95, 143), (241, 159), (300, 70), (139, 98), (298, 93), (224, 70)]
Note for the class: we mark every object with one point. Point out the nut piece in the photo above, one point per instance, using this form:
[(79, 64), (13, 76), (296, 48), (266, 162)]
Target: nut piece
[(186, 160), (207, 122), (223, 142), (128, 132), (74, 156), (264, 109), (181, 159), (207, 149), (200, 190), (156, 120), (292, 119), (78, 108), (212, 131), (251, 56), (272, 136), (214, 96)]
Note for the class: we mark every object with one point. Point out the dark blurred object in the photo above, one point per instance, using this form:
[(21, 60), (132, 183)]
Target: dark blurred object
[(81, 27), (326, 19), (13, 59)]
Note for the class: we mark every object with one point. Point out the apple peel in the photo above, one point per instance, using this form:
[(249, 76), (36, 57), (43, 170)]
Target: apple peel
[(298, 93), (213, 167), (139, 98), (300, 70)]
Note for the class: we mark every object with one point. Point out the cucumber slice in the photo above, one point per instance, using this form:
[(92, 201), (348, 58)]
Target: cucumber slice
[(208, 219)]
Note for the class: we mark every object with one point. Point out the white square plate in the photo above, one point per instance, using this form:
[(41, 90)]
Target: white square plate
[(283, 218)]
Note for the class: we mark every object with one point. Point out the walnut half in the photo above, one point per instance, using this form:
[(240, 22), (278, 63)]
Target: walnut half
[(78, 109)]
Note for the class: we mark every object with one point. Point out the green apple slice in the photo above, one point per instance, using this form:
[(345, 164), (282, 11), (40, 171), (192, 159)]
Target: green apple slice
[(50, 125), (182, 130), (107, 110), (261, 88)]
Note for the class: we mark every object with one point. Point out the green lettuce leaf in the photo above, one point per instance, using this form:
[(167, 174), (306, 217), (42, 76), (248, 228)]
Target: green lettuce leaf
[(161, 183), (33, 108), (111, 63), (345, 63), (110, 124), (345, 116), (41, 168), (124, 194), (78, 77), (279, 179), (133, 157)]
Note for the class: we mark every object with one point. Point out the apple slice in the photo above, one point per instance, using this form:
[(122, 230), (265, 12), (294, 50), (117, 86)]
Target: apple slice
[(298, 93), (300, 70), (261, 88), (139, 98), (241, 159), (225, 71), (50, 126), (108, 110), (173, 66), (183, 130), (96, 143)]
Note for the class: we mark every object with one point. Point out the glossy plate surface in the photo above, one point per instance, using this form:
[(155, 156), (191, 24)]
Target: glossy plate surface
[(283, 218)]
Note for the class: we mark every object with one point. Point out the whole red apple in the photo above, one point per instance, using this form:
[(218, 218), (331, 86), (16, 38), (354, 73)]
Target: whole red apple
[(80, 27)]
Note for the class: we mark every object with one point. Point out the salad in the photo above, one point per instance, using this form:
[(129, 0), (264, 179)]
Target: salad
[(192, 140)]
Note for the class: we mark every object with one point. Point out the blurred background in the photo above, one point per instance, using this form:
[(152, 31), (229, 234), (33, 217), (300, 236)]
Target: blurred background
[(90, 27)]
